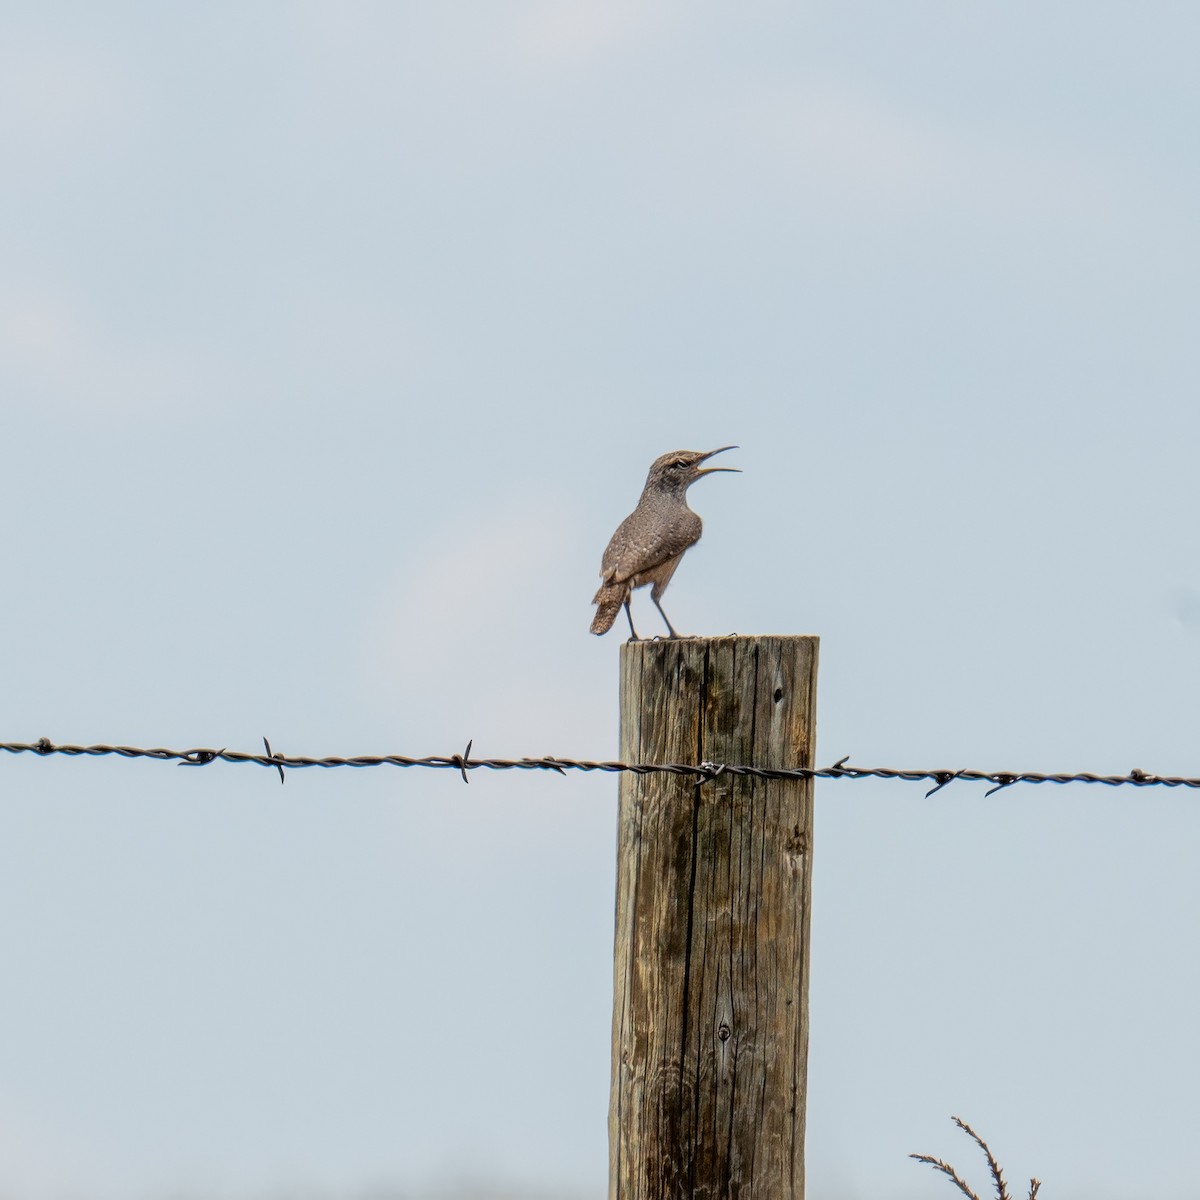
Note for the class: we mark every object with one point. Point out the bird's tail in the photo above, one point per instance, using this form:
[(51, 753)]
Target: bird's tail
[(608, 600)]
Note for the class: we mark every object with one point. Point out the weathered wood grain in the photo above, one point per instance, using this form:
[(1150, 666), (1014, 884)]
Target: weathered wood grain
[(714, 885)]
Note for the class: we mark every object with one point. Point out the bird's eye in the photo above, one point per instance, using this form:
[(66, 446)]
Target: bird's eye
[(679, 464)]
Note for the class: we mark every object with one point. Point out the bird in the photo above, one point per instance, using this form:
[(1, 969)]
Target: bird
[(650, 541)]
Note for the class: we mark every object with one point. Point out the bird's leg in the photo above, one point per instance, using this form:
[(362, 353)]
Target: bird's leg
[(633, 637), (663, 614)]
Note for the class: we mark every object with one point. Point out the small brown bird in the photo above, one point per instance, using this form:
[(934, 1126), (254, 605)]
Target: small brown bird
[(650, 541)]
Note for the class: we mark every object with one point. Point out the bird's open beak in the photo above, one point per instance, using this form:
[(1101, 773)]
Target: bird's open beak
[(714, 470)]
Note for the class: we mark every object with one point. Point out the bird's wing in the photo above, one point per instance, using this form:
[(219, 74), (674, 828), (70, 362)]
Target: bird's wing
[(639, 546)]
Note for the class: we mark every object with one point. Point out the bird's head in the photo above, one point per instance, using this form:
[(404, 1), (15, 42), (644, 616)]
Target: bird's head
[(677, 471)]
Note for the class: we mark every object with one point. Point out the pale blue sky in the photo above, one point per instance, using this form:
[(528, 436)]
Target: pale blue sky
[(335, 339)]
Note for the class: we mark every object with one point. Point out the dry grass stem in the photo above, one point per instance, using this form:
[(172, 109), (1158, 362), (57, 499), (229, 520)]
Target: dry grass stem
[(993, 1165), (946, 1169), (1002, 1192)]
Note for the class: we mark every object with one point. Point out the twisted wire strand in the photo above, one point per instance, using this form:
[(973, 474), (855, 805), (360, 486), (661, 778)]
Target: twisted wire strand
[(701, 772)]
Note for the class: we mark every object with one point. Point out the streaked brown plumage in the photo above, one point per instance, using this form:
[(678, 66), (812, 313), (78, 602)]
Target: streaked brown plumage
[(649, 543)]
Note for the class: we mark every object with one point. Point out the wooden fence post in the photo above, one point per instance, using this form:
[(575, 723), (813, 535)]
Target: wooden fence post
[(714, 886)]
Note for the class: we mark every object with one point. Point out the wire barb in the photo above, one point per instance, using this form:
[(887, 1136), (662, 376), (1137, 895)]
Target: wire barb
[(274, 760), (200, 758), (943, 778), (463, 761)]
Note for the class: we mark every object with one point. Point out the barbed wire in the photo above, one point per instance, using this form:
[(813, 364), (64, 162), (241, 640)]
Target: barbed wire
[(702, 772)]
